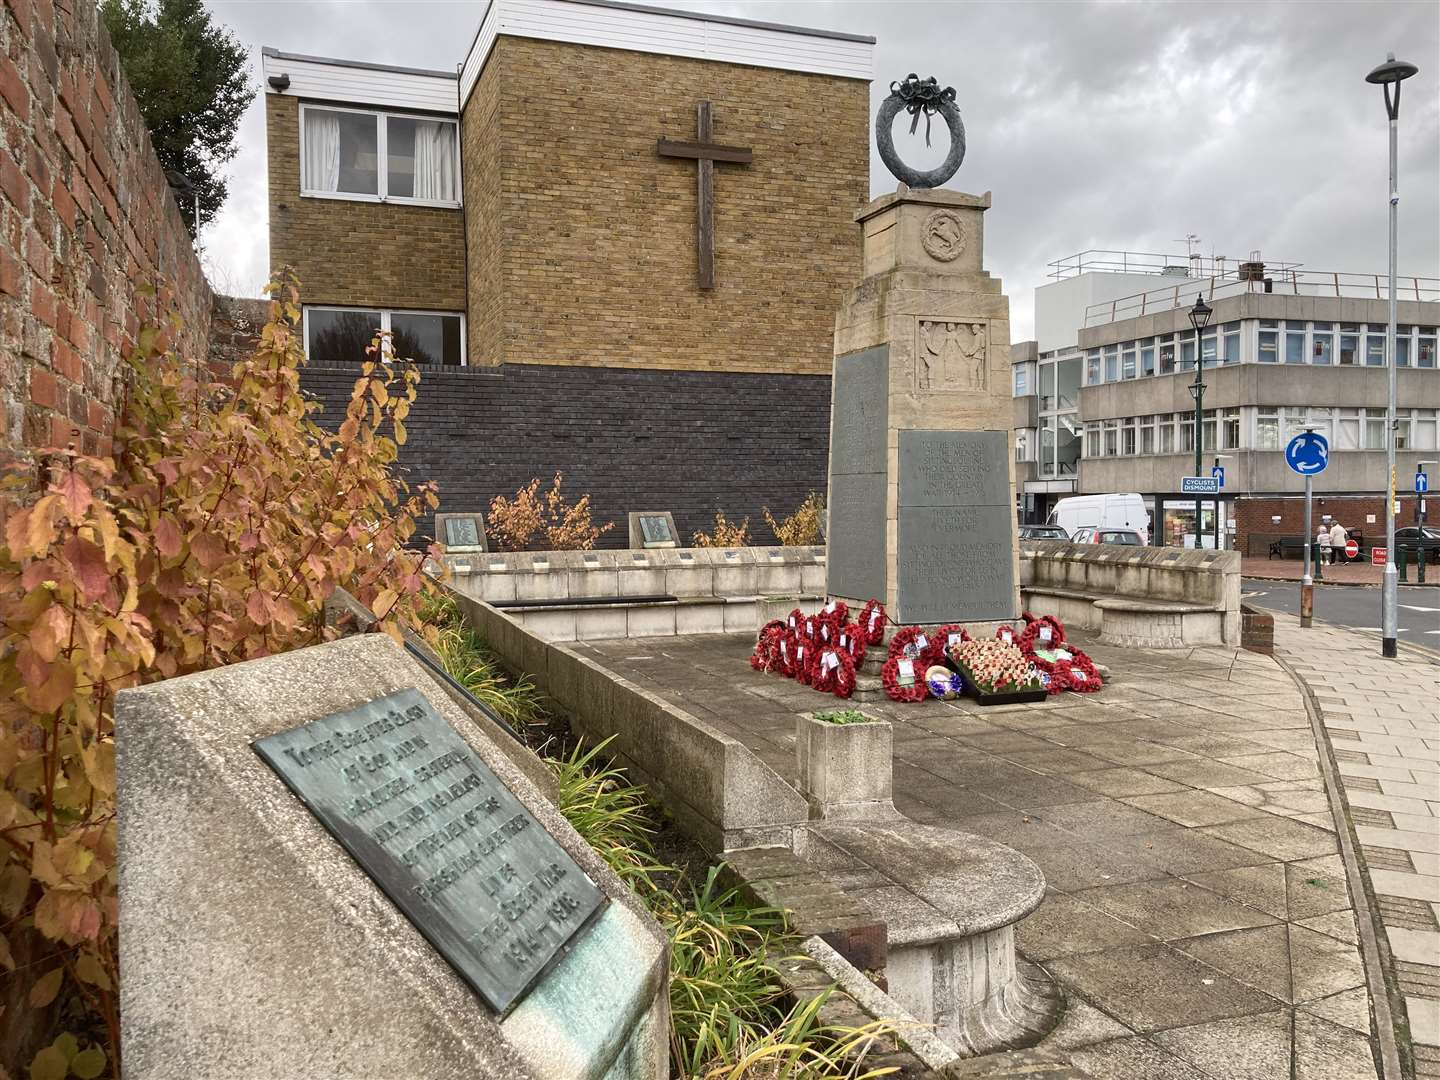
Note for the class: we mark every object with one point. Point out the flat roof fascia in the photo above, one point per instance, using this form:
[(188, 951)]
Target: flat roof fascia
[(641, 28), (317, 78)]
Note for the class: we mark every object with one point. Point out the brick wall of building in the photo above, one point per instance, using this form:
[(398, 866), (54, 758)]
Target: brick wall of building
[(590, 237), (86, 219), (358, 253), (1254, 527), (689, 442)]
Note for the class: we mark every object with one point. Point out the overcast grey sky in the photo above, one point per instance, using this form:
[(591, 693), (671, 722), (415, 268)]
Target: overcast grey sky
[(1096, 125)]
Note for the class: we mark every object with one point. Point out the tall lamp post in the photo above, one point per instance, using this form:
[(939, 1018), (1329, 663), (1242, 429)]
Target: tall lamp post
[(1391, 73), (1199, 319)]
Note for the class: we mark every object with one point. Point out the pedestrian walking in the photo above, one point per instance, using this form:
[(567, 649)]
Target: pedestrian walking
[(1338, 537), (1322, 538)]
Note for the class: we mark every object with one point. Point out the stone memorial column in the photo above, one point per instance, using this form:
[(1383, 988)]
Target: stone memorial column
[(922, 480)]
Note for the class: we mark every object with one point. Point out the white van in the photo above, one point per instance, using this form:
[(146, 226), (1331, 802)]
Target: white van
[(1122, 511)]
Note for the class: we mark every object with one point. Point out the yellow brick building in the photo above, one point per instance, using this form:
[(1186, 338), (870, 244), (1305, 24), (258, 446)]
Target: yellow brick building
[(526, 191)]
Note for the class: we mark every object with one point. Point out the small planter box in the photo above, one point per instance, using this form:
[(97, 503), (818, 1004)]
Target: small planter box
[(1009, 697), (844, 769)]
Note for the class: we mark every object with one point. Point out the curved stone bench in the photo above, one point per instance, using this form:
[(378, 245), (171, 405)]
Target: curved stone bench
[(950, 901), (1131, 620)]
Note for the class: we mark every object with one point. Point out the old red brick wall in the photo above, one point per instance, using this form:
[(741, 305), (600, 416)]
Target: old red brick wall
[(87, 221), (1252, 517)]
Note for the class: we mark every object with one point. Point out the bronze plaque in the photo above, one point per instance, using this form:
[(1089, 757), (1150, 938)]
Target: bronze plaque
[(446, 840)]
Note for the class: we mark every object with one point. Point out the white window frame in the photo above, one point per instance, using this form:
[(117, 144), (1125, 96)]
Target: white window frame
[(382, 159), (385, 314)]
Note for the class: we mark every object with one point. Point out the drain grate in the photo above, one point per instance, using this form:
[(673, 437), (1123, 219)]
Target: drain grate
[(1353, 756), (1418, 980)]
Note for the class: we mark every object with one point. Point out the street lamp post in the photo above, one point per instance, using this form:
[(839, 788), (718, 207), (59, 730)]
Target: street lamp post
[(1391, 73), (1199, 319)]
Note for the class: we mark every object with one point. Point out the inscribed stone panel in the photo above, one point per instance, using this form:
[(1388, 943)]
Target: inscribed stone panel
[(954, 468), (860, 418), (855, 561)]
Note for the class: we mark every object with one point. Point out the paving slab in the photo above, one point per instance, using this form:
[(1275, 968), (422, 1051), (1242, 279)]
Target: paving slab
[(1245, 1048), (1170, 908), (1192, 807)]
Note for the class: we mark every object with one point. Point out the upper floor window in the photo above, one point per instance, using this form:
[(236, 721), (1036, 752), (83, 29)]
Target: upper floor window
[(341, 335), (358, 154)]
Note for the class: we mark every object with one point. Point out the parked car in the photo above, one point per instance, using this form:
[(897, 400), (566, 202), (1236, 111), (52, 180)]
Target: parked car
[(1128, 537), (1118, 511), (1043, 532), (1408, 540)]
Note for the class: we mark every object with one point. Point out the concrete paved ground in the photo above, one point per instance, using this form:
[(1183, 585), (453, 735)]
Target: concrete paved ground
[(1383, 720), (1198, 913), (1417, 614)]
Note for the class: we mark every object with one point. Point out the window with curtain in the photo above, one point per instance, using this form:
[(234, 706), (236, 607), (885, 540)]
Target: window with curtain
[(341, 335), (1267, 429), (342, 152)]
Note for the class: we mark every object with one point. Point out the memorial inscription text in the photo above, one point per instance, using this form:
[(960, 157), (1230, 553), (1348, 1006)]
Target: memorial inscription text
[(445, 839)]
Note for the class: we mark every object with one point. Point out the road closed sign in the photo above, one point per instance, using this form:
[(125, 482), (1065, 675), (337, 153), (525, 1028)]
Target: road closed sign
[(1377, 556), (1352, 548)]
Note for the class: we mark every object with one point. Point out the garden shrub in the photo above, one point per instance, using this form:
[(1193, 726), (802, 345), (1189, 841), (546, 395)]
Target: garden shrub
[(548, 520), (802, 528), (213, 534), (726, 534)]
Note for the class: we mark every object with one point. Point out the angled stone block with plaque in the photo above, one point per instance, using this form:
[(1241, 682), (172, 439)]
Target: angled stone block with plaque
[(327, 870)]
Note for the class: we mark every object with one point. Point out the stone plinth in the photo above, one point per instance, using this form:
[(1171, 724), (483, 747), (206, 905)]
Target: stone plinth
[(844, 770), (922, 481), (253, 946)]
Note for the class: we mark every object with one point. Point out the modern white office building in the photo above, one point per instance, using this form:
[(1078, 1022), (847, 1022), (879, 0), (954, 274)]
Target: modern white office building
[(1104, 395)]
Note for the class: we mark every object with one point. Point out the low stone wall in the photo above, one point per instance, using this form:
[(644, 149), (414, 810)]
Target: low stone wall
[(1146, 597), (515, 576), (719, 792)]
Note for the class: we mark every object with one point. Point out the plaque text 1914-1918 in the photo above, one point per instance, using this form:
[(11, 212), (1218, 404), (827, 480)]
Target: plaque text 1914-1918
[(446, 840)]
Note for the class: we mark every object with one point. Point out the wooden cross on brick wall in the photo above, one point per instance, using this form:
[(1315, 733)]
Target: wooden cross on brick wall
[(705, 153)]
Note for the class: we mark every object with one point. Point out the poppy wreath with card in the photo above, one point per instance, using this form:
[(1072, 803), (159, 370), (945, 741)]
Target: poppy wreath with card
[(1008, 635), (1081, 674), (804, 661), (835, 613), (890, 680), (852, 642), (918, 644), (943, 636), (784, 655), (1034, 634), (766, 646), (872, 621), (833, 672)]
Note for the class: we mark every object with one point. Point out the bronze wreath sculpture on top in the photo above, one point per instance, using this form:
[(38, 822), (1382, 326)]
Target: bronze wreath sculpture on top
[(920, 97)]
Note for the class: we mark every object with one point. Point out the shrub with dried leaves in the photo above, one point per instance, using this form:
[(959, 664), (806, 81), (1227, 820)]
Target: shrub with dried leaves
[(214, 534), (802, 528), (548, 521), (725, 533)]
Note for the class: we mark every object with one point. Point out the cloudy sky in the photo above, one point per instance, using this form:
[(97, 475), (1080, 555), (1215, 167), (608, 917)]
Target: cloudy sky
[(1096, 125)]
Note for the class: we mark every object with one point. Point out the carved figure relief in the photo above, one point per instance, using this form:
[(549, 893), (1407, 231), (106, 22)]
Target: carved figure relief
[(943, 236), (950, 355)]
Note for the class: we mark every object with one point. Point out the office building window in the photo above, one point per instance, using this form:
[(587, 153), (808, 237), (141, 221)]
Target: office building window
[(1092, 439), (1322, 420), (1322, 344), (1402, 429), (1092, 368), (1127, 360), (1347, 433), (1349, 344), (1022, 381), (1375, 349), (1067, 444), (1067, 382), (1167, 355), (1425, 347), (1047, 387), (1187, 433), (1294, 343), (1112, 363), (1127, 436), (1165, 430), (1230, 349), (1230, 429), (1402, 346), (1374, 429), (1425, 432), (1267, 429), (1269, 350), (1112, 438), (1047, 447), (1147, 435), (1187, 352), (1147, 359), (1207, 429), (1208, 350)]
